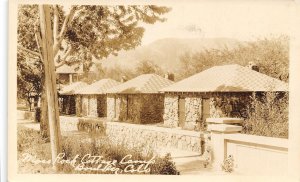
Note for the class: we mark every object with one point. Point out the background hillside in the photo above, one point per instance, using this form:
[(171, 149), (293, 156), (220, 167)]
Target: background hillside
[(166, 52)]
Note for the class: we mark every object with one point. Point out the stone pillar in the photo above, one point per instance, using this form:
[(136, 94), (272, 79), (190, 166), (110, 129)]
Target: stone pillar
[(170, 115), (70, 78), (218, 128), (110, 107)]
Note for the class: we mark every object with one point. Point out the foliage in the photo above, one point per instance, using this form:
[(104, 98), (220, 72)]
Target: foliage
[(228, 164), (28, 78), (164, 166), (268, 115), (30, 141), (91, 125), (146, 67), (271, 55)]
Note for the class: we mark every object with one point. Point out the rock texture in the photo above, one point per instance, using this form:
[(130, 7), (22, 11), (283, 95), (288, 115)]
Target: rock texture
[(136, 135), (110, 107), (170, 115), (221, 105), (192, 111)]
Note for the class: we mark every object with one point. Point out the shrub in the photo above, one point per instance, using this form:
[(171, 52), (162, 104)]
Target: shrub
[(268, 115), (92, 125), (228, 164), (164, 166)]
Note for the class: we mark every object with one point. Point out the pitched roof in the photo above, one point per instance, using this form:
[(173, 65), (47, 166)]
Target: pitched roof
[(69, 69), (70, 89), (228, 78), (147, 83), (99, 87)]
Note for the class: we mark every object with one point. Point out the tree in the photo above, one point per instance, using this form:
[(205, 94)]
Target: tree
[(28, 79), (86, 32), (146, 67), (271, 55)]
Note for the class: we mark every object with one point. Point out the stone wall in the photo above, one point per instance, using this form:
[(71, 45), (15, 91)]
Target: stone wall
[(110, 107), (147, 136), (153, 137), (221, 105), (78, 105), (93, 106), (85, 105), (192, 111), (170, 115)]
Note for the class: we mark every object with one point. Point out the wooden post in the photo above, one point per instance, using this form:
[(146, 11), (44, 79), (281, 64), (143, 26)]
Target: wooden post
[(50, 81)]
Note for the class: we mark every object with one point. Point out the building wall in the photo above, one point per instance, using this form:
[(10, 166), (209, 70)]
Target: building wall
[(85, 105), (78, 105), (192, 111), (170, 115), (92, 111), (221, 105), (110, 107)]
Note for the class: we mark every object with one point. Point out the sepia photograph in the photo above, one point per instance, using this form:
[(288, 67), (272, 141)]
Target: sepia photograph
[(194, 88)]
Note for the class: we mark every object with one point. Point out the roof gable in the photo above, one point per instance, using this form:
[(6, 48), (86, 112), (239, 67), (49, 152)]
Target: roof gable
[(228, 78), (70, 89), (146, 83), (99, 87)]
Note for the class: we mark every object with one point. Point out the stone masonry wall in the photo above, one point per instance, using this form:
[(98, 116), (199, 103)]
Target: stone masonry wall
[(146, 136), (170, 115), (93, 106), (110, 107), (153, 137), (78, 105), (85, 105), (192, 111)]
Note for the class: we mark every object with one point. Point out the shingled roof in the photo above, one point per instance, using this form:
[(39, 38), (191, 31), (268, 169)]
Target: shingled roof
[(70, 89), (228, 78), (147, 83), (65, 69), (99, 87)]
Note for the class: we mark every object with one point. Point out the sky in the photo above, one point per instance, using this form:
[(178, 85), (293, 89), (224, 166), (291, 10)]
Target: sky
[(242, 21)]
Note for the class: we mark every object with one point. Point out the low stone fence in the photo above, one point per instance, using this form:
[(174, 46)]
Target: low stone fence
[(154, 136), (143, 135)]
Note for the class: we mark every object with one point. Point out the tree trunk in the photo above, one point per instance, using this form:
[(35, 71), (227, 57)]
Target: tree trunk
[(44, 124), (50, 81)]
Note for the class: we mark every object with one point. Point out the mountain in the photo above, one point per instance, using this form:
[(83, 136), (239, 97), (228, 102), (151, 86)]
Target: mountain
[(166, 52)]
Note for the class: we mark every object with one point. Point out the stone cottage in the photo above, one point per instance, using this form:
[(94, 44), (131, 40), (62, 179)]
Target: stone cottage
[(67, 97), (91, 100), (138, 100), (221, 91)]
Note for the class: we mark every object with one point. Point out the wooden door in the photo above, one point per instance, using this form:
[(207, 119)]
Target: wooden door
[(181, 112), (205, 109)]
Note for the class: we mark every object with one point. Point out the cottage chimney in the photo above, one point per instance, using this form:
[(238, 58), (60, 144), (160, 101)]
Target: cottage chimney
[(169, 76), (253, 66), (123, 79)]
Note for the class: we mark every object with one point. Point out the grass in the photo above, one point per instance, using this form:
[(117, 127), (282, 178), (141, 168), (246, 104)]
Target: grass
[(30, 142)]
